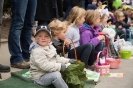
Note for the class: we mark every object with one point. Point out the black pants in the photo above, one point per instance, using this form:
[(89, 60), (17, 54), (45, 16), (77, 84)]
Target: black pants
[(100, 46), (1, 11), (85, 53)]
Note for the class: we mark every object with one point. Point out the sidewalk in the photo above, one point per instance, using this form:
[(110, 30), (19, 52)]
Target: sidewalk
[(126, 67)]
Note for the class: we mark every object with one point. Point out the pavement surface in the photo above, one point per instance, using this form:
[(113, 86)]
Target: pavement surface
[(126, 67)]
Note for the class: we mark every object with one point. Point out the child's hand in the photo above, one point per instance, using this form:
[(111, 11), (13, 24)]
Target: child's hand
[(72, 61), (119, 27), (63, 67), (101, 37), (111, 14), (131, 25), (67, 43), (129, 22)]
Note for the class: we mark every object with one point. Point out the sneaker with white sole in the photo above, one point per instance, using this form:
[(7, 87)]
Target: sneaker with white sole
[(21, 65)]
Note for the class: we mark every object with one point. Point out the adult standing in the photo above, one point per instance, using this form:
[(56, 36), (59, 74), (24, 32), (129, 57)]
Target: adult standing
[(69, 4), (19, 39), (2, 67), (1, 12), (47, 10)]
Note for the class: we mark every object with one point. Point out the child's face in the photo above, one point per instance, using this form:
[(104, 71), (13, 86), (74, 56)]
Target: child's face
[(80, 21), (104, 20), (99, 3), (42, 38), (128, 12), (62, 34), (96, 22), (94, 2), (121, 17)]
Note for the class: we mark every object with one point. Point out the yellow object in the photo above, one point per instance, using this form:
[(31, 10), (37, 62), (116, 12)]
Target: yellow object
[(124, 7)]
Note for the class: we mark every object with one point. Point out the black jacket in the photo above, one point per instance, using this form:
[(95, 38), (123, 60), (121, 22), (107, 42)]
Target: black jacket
[(126, 17), (71, 3), (59, 46), (124, 25), (48, 9)]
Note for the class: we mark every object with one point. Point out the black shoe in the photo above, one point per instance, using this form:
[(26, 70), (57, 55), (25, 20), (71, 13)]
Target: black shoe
[(4, 68)]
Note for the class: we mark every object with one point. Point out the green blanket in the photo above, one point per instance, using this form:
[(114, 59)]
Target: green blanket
[(18, 81)]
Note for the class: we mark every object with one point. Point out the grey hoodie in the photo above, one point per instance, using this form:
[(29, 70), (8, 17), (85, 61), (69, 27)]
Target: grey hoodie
[(73, 33)]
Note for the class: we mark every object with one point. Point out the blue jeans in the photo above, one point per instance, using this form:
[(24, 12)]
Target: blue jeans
[(54, 78), (100, 46), (19, 40), (122, 34), (85, 53)]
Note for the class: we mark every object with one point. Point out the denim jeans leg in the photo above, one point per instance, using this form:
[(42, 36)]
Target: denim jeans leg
[(18, 8), (100, 46), (84, 53), (25, 37), (128, 33), (122, 34)]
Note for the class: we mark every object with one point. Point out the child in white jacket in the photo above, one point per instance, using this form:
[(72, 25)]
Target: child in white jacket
[(45, 64)]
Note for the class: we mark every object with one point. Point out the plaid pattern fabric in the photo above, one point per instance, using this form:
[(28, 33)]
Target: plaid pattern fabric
[(111, 50)]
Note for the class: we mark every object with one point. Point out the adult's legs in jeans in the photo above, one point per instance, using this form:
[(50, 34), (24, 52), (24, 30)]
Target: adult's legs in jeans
[(19, 9), (25, 38), (85, 53), (52, 78)]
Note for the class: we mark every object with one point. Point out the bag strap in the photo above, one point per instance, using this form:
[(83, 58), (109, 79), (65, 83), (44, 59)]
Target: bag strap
[(75, 53)]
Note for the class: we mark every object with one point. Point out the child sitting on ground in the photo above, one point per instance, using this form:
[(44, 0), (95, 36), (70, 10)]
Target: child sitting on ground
[(89, 31), (58, 31), (120, 25), (92, 6), (105, 27), (85, 52), (45, 63)]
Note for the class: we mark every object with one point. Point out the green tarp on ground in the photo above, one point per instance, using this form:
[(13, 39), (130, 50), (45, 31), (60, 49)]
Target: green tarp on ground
[(18, 81)]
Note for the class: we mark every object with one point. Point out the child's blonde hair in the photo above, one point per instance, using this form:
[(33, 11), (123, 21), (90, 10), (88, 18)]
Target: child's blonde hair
[(118, 14), (57, 26), (103, 17), (75, 13), (91, 16), (131, 15)]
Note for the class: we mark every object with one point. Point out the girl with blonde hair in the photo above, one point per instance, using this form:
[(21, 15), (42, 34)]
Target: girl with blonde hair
[(58, 31), (89, 31), (85, 52)]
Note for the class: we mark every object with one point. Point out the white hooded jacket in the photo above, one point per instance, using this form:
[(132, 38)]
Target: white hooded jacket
[(44, 60)]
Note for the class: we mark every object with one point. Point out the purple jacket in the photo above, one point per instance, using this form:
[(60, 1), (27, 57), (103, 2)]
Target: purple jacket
[(88, 35)]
